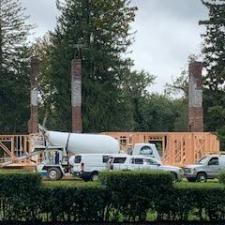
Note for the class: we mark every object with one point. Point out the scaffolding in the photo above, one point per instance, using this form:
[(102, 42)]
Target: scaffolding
[(175, 148)]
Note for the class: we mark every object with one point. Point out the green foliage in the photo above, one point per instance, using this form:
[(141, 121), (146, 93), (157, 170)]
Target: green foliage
[(214, 46), (103, 30), (199, 203), (161, 113), (133, 192), (74, 203), (122, 196), (214, 53), (179, 85), (222, 177), (18, 195), (14, 67)]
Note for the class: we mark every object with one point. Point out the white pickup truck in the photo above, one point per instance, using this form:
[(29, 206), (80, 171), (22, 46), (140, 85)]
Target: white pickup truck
[(138, 162)]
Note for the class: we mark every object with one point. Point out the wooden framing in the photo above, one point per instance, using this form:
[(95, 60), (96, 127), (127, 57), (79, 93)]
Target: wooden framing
[(14, 146), (176, 148)]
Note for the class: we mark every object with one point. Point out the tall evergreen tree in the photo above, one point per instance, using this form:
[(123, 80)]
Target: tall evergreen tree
[(214, 58), (14, 56), (103, 28), (214, 45)]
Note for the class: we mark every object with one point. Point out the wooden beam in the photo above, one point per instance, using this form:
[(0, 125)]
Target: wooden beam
[(6, 150)]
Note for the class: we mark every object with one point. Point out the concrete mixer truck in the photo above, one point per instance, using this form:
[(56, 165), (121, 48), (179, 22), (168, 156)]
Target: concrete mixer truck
[(60, 147)]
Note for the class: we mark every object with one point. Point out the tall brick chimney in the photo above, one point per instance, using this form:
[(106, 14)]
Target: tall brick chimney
[(35, 70), (195, 114), (76, 96)]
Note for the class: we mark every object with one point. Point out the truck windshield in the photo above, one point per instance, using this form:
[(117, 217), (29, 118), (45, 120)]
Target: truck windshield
[(203, 160)]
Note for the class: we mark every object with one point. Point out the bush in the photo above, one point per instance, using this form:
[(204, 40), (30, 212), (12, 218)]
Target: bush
[(222, 177), (133, 193), (23, 198), (18, 195), (122, 196), (74, 204)]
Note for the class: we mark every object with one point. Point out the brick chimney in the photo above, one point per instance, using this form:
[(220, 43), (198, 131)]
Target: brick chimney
[(195, 114), (76, 96), (35, 70)]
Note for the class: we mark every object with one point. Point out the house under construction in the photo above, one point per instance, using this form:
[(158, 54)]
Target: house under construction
[(177, 148)]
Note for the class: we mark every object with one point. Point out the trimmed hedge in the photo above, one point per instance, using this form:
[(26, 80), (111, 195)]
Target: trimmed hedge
[(133, 193), (122, 196), (222, 177)]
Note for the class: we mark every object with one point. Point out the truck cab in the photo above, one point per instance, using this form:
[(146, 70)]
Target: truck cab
[(54, 164), (208, 167), (146, 149)]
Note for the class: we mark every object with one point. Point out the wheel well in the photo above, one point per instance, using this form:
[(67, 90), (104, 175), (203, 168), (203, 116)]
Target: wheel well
[(95, 172), (175, 174), (203, 172)]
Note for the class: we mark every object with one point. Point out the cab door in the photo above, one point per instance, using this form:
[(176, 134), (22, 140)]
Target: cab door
[(213, 167)]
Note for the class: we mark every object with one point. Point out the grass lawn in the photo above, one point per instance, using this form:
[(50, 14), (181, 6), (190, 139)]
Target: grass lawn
[(77, 182), (210, 184)]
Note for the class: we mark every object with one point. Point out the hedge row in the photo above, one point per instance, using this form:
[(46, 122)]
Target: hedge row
[(123, 196)]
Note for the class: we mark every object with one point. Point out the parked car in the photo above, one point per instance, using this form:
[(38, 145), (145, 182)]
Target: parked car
[(135, 162), (208, 167), (88, 166)]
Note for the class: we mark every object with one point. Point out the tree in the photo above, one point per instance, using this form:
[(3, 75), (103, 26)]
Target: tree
[(160, 113), (214, 46), (179, 85), (214, 55), (103, 28), (14, 73), (135, 87)]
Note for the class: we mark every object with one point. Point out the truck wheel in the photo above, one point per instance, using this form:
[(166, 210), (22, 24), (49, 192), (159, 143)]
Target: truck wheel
[(94, 176), (201, 177), (54, 174)]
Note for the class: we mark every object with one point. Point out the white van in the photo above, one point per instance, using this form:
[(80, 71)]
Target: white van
[(88, 166)]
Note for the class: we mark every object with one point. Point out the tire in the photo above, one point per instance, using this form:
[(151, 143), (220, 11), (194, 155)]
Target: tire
[(54, 174), (201, 177), (94, 176)]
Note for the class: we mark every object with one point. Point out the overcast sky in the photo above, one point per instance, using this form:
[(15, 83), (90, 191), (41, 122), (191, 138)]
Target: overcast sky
[(167, 33)]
